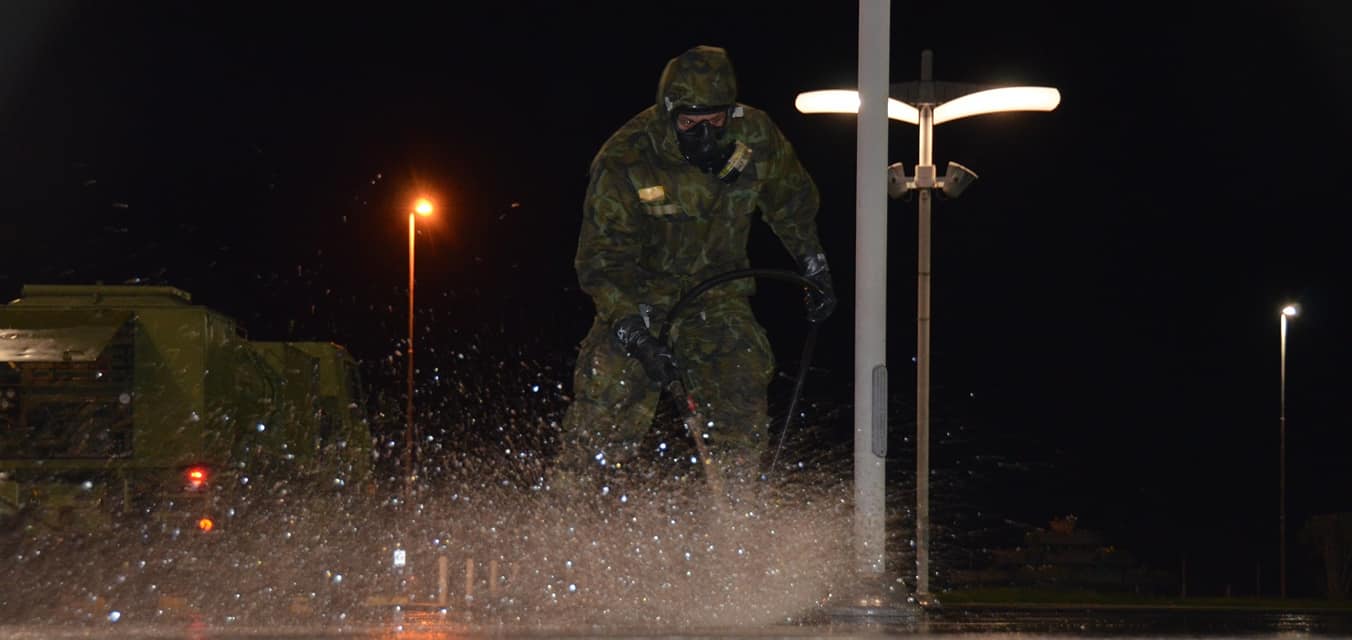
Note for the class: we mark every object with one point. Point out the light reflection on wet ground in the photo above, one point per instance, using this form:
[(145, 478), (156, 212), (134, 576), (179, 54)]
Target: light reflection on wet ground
[(1138, 622), (951, 623)]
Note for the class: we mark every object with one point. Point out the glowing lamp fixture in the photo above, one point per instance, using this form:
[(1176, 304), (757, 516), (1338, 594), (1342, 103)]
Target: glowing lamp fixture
[(197, 477), (846, 101), (423, 207), (1291, 310), (998, 100), (972, 104), (205, 525)]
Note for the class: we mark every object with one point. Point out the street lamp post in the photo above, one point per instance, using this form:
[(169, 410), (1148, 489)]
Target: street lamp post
[(422, 207), (925, 103), (1289, 311)]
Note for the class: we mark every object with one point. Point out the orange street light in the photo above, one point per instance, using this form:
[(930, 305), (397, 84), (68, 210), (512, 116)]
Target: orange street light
[(422, 207)]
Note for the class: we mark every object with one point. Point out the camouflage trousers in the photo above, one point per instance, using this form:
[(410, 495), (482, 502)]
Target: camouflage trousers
[(728, 364)]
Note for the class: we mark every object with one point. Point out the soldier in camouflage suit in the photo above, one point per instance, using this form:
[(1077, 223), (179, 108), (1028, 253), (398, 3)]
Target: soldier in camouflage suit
[(670, 204)]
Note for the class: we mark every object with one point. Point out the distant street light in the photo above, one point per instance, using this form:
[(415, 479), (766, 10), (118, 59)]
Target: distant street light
[(1289, 311), (925, 103), (423, 207)]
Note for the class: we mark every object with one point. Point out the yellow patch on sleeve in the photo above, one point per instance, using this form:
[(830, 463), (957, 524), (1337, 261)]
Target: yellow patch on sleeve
[(649, 195)]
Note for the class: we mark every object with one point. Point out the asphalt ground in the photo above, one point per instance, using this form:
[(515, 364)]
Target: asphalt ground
[(1022, 621)]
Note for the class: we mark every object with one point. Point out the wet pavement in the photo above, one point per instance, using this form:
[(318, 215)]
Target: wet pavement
[(967, 622), (1135, 622), (497, 562)]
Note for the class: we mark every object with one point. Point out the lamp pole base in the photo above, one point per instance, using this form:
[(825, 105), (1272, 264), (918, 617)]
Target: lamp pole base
[(877, 600)]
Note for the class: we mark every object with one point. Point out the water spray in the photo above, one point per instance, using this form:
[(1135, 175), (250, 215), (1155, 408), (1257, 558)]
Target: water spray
[(686, 406)]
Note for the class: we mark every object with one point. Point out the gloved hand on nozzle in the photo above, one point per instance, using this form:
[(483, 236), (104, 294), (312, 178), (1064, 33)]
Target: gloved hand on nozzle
[(821, 302), (632, 335)]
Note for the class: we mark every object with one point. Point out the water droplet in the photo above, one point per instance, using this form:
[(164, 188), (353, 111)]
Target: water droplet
[(114, 616)]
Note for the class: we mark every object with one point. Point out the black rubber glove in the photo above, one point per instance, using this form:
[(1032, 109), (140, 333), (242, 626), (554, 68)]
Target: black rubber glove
[(631, 333), (821, 302)]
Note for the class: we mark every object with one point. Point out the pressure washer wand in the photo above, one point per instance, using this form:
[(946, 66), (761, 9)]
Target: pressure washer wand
[(688, 409), (685, 404)]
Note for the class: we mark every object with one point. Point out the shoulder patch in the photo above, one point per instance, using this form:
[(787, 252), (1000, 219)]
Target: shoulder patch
[(650, 195)]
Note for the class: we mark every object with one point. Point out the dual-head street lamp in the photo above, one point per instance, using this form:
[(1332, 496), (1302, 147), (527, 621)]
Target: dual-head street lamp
[(925, 103)]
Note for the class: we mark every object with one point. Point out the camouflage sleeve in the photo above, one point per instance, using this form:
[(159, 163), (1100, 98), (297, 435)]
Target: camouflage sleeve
[(609, 244), (789, 200)]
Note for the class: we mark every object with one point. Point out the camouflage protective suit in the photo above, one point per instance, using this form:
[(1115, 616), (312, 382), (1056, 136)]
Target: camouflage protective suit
[(654, 226)]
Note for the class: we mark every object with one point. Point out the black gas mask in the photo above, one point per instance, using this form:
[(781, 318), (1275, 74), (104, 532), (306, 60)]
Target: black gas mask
[(702, 146)]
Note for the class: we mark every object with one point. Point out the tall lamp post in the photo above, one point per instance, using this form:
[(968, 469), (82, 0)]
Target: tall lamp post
[(925, 103), (423, 207), (1289, 311)]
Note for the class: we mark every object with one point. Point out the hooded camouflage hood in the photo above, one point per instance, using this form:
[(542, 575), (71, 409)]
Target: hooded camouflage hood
[(700, 77)]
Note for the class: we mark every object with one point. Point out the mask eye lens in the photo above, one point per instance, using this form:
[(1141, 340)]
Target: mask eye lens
[(686, 122)]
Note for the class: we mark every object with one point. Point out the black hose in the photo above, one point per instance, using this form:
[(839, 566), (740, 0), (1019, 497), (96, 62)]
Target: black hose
[(736, 274), (809, 344)]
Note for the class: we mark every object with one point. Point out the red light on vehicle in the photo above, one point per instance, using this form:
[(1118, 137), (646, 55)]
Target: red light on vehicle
[(197, 477), (206, 525)]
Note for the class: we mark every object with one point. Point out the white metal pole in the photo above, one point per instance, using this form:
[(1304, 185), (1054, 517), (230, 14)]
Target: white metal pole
[(1281, 513), (870, 287)]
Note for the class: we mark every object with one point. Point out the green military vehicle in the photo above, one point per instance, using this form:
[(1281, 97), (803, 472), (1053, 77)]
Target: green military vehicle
[(128, 403)]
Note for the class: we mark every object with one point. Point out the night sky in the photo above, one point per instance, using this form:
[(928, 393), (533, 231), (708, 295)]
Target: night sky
[(1106, 295)]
